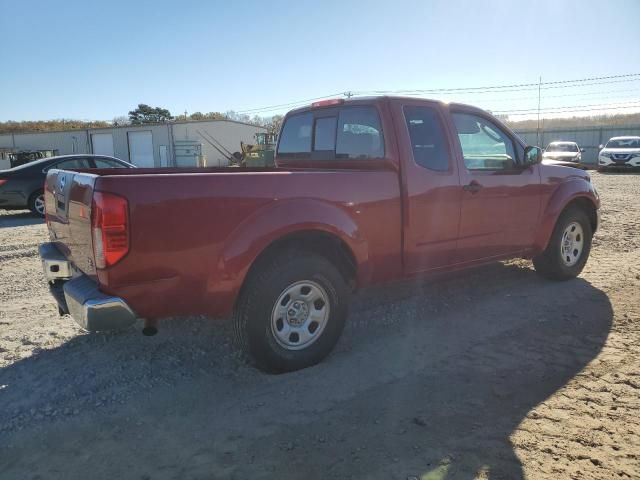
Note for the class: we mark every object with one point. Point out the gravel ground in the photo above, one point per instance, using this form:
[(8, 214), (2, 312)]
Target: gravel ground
[(492, 374)]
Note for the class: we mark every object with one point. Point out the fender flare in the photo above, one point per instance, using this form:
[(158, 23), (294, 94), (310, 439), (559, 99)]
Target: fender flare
[(273, 222), (566, 193)]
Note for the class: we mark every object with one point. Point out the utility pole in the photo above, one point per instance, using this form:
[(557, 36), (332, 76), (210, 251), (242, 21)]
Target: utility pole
[(348, 94), (538, 129)]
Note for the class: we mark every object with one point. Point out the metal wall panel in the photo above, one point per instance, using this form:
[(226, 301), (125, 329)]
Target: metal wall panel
[(72, 141), (217, 138), (102, 144)]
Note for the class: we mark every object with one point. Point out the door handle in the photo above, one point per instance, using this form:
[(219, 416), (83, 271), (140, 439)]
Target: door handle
[(473, 187)]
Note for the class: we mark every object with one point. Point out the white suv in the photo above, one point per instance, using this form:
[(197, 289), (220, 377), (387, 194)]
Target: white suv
[(620, 152), (565, 151)]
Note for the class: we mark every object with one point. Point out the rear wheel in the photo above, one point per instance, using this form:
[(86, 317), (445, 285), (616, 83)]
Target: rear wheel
[(36, 203), (569, 247), (291, 311)]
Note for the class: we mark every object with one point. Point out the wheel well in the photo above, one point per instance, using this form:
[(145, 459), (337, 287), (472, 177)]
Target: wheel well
[(329, 246), (35, 192), (588, 207)]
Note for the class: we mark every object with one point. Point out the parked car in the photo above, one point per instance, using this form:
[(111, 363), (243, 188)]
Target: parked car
[(563, 151), (620, 152), (364, 191), (22, 187)]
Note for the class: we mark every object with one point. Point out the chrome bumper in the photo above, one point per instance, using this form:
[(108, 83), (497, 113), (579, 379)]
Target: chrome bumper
[(54, 263), (89, 307)]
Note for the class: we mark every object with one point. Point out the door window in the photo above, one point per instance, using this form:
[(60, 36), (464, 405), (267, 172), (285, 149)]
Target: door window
[(484, 145), (427, 138)]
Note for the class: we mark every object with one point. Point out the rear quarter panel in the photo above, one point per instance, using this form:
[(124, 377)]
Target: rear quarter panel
[(194, 236)]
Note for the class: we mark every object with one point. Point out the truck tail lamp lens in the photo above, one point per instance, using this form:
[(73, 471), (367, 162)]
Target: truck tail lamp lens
[(110, 228)]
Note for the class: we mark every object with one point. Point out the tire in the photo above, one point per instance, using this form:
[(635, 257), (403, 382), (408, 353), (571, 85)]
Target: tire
[(36, 203), (559, 261), (273, 329)]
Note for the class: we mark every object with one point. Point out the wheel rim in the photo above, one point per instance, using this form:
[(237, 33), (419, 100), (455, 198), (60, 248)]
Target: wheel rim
[(300, 315), (39, 204), (572, 244)]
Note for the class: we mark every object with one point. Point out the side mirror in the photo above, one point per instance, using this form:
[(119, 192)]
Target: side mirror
[(532, 155), (600, 146), (582, 150)]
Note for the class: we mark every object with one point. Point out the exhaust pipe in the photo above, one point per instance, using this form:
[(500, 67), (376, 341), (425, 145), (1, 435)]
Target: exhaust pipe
[(149, 329)]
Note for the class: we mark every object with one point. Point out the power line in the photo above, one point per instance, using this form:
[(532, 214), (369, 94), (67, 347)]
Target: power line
[(579, 110), (516, 87), (526, 86), (474, 92), (512, 99), (290, 104), (550, 109)]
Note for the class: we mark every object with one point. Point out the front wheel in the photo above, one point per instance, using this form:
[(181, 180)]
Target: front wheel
[(36, 203), (569, 247), (291, 311)]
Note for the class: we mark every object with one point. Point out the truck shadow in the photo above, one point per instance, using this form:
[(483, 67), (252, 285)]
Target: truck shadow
[(430, 380), (19, 219)]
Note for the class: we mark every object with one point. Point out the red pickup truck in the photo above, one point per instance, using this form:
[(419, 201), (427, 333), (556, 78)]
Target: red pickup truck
[(364, 191)]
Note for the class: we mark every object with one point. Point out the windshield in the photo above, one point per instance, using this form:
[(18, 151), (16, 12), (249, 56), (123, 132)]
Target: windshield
[(624, 143), (562, 147)]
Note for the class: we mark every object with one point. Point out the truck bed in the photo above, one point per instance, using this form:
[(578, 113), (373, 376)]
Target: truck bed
[(195, 232)]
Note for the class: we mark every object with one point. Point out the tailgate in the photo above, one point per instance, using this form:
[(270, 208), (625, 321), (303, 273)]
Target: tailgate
[(68, 197)]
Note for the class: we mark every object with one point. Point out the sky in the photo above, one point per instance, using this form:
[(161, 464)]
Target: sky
[(98, 60)]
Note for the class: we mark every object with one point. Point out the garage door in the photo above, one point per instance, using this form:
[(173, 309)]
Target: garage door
[(141, 149), (102, 144)]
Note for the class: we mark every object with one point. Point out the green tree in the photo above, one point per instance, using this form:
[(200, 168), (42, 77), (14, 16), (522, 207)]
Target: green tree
[(147, 114)]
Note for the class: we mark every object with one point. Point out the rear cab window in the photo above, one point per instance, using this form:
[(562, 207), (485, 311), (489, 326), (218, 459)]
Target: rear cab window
[(295, 140), (337, 133)]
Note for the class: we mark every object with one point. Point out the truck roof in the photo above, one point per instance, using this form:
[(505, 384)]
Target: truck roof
[(369, 100)]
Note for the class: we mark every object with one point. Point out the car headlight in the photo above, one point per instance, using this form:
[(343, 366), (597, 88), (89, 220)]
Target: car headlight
[(605, 154), (635, 155)]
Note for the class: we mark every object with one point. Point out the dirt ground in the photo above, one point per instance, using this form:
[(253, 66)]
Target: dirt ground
[(495, 374)]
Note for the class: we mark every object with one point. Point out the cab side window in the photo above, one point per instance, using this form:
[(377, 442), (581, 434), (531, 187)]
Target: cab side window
[(484, 145), (428, 142)]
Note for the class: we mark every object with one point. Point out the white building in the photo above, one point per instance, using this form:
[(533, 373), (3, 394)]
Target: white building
[(181, 144)]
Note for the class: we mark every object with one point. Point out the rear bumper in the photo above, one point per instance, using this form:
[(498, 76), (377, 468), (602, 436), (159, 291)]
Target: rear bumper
[(79, 295)]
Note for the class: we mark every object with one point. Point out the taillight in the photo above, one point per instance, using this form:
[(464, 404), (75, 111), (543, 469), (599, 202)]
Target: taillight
[(110, 228), (3, 181)]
